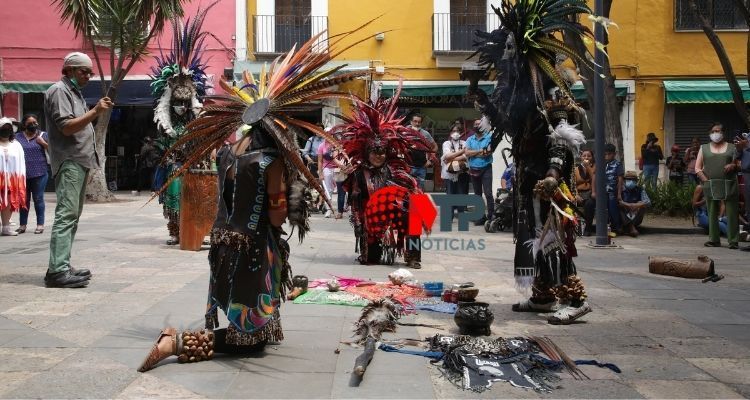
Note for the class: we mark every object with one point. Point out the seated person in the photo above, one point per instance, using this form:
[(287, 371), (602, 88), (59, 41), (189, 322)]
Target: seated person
[(633, 204), (701, 213)]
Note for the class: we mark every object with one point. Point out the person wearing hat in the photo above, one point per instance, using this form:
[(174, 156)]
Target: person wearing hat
[(676, 166), (73, 154), (12, 175), (633, 204), (651, 153)]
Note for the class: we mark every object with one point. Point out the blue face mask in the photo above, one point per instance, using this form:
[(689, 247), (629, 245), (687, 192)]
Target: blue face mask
[(630, 184)]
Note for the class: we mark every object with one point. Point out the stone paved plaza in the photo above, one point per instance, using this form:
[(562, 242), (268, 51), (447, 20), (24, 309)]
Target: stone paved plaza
[(672, 337)]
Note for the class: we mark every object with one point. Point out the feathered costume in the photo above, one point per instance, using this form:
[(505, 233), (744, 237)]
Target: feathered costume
[(179, 82), (379, 195), (524, 55), (248, 257)]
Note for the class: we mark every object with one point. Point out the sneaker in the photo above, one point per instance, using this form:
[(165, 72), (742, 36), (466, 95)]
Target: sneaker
[(65, 279), (7, 231), (328, 214), (569, 314), (530, 306), (712, 244), (733, 246), (414, 264), (743, 236)]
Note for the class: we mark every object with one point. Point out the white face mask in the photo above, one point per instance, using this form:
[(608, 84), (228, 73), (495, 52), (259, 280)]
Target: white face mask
[(716, 137), (179, 110), (455, 135)]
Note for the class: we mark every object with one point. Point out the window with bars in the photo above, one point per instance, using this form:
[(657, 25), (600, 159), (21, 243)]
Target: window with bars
[(723, 15)]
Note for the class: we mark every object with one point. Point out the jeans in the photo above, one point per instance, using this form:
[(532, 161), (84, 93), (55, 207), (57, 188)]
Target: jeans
[(635, 221), (419, 173), (483, 185), (746, 189), (34, 186), (460, 186), (702, 217), (328, 182), (650, 173), (340, 197), (146, 179), (693, 178), (70, 188), (613, 209)]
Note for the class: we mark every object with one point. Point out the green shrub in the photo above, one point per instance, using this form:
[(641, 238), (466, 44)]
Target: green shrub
[(671, 199)]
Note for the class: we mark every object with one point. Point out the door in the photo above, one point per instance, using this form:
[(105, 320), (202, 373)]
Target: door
[(466, 17), (292, 23)]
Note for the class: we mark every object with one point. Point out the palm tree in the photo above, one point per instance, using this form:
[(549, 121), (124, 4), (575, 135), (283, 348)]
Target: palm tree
[(124, 27)]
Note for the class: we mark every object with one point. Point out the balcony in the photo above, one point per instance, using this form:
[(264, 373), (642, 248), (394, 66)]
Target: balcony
[(276, 34), (453, 33)]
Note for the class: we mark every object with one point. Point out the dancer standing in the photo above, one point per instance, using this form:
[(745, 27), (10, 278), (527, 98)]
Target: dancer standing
[(532, 104), (179, 84)]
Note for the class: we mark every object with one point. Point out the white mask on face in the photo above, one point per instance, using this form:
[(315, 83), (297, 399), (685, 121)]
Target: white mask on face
[(455, 135), (716, 137)]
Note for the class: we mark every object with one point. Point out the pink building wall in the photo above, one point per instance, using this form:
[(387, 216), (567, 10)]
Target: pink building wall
[(34, 41)]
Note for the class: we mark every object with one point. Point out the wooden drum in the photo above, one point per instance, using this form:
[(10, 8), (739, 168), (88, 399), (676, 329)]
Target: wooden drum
[(198, 207)]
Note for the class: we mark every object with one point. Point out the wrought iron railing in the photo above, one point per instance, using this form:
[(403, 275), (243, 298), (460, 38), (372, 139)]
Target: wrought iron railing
[(278, 33), (722, 14), (453, 32)]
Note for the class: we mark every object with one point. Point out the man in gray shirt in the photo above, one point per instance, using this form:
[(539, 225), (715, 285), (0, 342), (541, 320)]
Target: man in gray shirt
[(73, 154)]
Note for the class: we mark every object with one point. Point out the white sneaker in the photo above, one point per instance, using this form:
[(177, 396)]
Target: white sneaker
[(328, 214), (569, 314), (8, 231)]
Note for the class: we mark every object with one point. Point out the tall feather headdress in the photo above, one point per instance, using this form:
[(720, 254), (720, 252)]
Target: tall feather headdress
[(293, 82), (181, 73)]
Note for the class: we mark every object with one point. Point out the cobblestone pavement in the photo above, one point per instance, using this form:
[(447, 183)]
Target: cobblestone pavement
[(672, 338)]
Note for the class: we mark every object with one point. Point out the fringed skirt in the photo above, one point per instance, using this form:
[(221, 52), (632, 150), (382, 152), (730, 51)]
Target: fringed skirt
[(249, 277)]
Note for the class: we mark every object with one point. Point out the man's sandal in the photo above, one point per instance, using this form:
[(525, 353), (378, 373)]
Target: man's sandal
[(569, 314), (154, 356)]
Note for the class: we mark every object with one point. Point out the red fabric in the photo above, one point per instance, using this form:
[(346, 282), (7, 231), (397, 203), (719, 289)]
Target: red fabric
[(12, 194)]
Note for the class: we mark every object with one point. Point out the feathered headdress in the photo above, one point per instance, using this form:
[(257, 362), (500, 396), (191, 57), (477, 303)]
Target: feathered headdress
[(292, 83), (376, 125), (528, 28), (181, 73)]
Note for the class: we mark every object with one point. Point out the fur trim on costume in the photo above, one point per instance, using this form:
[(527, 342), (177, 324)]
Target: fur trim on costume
[(162, 115), (572, 136)]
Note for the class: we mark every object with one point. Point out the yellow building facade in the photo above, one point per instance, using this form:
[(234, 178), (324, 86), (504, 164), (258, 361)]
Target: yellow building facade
[(657, 47)]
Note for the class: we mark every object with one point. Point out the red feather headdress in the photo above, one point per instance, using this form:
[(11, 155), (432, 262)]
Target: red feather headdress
[(375, 125)]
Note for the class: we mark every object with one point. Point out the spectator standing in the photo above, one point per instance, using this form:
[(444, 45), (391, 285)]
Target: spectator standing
[(73, 154), (454, 165), (12, 175), (310, 151), (34, 143), (613, 173), (480, 168), (633, 204), (584, 174), (717, 170), (327, 169), (148, 159), (420, 159), (743, 155), (651, 154), (676, 166), (691, 154)]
